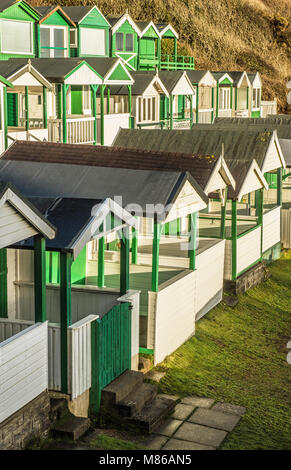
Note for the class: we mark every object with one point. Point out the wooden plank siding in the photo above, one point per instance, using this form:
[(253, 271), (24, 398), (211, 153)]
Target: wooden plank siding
[(13, 226), (286, 228), (271, 228), (248, 249)]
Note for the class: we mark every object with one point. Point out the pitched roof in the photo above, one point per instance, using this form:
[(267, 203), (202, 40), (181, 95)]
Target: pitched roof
[(286, 150), (46, 10), (281, 125), (77, 13), (102, 65), (196, 75), (141, 82), (170, 78), (6, 4), (112, 19), (143, 188)]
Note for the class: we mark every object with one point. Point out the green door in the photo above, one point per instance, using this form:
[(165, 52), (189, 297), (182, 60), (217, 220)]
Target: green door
[(181, 106), (3, 283), (164, 107), (76, 99), (12, 109)]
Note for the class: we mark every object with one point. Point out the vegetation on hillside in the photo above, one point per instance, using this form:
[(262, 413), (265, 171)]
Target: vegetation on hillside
[(222, 35)]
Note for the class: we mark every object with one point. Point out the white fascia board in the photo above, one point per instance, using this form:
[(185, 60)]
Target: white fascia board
[(96, 8), (122, 20), (155, 80), (244, 75), (123, 214), (225, 76), (278, 147), (254, 168), (28, 213), (169, 26), (107, 81), (148, 27), (222, 169), (29, 68)]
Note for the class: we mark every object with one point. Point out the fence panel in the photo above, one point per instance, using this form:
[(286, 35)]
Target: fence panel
[(286, 228), (271, 228)]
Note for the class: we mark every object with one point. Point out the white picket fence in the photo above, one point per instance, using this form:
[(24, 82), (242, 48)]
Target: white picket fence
[(271, 228), (79, 130), (23, 367)]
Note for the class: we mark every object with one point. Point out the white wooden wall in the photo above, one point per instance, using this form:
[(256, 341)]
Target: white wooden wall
[(228, 260), (175, 314), (133, 297), (13, 226), (248, 249), (271, 228), (23, 368), (286, 228)]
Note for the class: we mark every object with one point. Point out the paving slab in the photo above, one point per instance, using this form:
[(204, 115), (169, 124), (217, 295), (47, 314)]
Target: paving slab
[(200, 434), (214, 419), (198, 401), (168, 427), (155, 375), (155, 442), (170, 397), (182, 411), (229, 408), (177, 444)]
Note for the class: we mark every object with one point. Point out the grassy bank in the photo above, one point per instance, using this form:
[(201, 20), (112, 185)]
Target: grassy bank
[(238, 355)]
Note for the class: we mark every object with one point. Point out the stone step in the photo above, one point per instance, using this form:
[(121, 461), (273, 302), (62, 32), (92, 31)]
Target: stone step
[(153, 414), (136, 400), (121, 387), (58, 408), (71, 427)]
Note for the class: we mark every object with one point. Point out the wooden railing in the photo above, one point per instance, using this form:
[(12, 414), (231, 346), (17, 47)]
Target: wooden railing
[(268, 107), (173, 62), (79, 130), (34, 123)]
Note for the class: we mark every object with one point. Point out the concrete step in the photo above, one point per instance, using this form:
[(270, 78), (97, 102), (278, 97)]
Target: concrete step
[(58, 408), (121, 387), (153, 414), (71, 427), (136, 400)]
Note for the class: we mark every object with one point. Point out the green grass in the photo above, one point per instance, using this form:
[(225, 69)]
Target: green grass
[(111, 443), (238, 355)]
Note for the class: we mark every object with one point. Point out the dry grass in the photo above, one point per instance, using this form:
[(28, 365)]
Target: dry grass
[(224, 35)]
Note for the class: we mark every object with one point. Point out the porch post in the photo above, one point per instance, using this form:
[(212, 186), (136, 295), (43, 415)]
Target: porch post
[(155, 256), (134, 245), (261, 214), (64, 111), (197, 104), (44, 93), (101, 258), (171, 111), (248, 99), (235, 98), (102, 89), (192, 218), (124, 261), (3, 284), (66, 314), (108, 101), (175, 48), (223, 216), (5, 119), (129, 104), (234, 238), (39, 279), (279, 186), (217, 98), (231, 96), (212, 104), (191, 110), (94, 89), (26, 110)]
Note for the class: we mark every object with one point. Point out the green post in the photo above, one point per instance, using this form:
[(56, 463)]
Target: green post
[(94, 89), (39, 279), (66, 314), (171, 111), (192, 218), (5, 119), (44, 93), (217, 99), (197, 104), (64, 111), (191, 110), (260, 213), (279, 186), (59, 104), (134, 245), (102, 89), (175, 49), (3, 284), (101, 262), (124, 261), (108, 101), (234, 238), (231, 96), (159, 52), (223, 216), (26, 110), (155, 256), (235, 98)]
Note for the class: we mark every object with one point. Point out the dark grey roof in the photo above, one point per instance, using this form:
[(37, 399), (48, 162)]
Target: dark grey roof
[(102, 65), (11, 66), (113, 19), (236, 76), (219, 75), (282, 126), (45, 10), (170, 78), (286, 150), (196, 75), (251, 76), (77, 13), (51, 180), (141, 81), (6, 4)]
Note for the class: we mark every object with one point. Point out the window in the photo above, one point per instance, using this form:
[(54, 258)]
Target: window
[(86, 99), (256, 103), (73, 38), (119, 41), (147, 109), (92, 41), (224, 98), (154, 109), (39, 101), (129, 42), (53, 42), (17, 37)]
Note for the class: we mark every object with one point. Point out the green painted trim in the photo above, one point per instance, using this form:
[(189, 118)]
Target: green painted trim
[(134, 246), (249, 267), (39, 279), (6, 82), (124, 261), (171, 112), (79, 66), (129, 100), (235, 98), (101, 261), (66, 314), (231, 96), (191, 110), (94, 89), (279, 186), (197, 104), (3, 284), (146, 351), (44, 107), (64, 111), (26, 109), (234, 239), (102, 113), (217, 99), (155, 256), (5, 119), (192, 220), (79, 265), (249, 230)]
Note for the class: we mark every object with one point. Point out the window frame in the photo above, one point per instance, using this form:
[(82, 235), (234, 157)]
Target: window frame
[(75, 43), (52, 48), (119, 50), (3, 20), (88, 54), (223, 92), (125, 48), (257, 100)]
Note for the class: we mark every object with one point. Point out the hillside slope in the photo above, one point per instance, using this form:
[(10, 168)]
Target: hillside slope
[(222, 35)]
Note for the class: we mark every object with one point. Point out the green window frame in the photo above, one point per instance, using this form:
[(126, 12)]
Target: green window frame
[(51, 50), (119, 42), (129, 42)]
